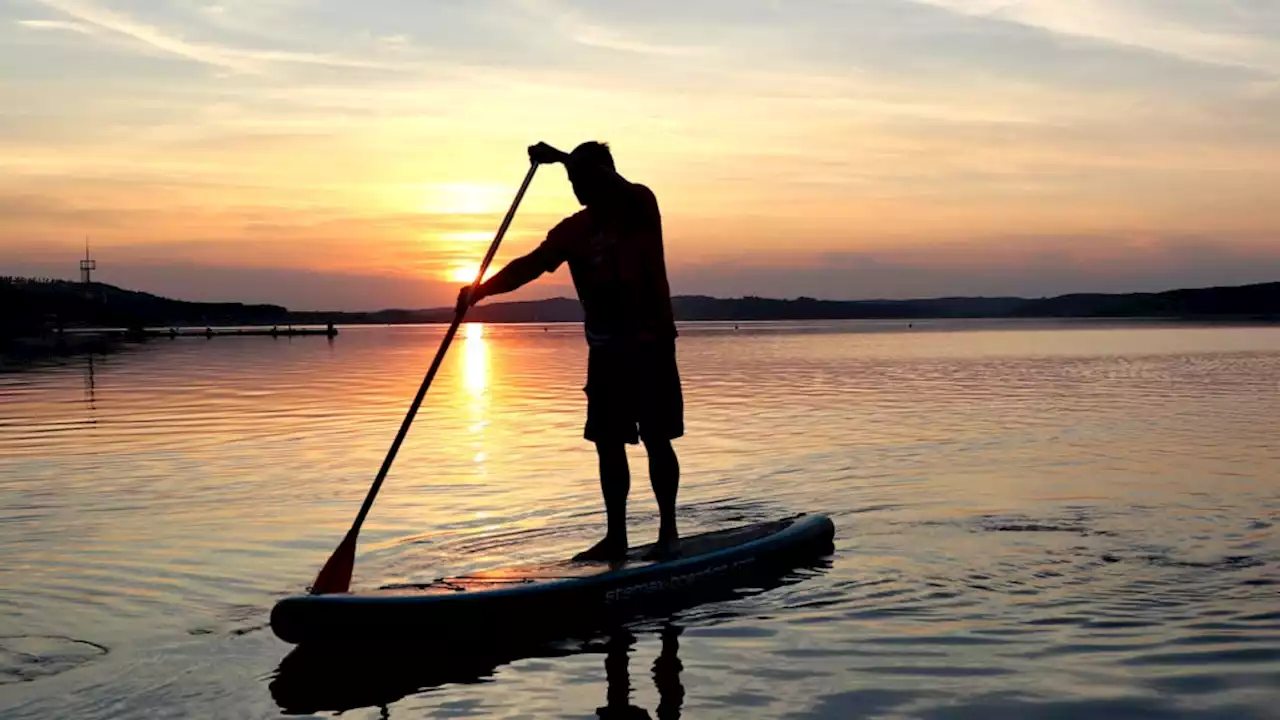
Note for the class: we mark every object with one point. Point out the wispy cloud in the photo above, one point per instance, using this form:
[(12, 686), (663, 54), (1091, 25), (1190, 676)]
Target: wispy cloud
[(1143, 24), (610, 39), (580, 29), (57, 25), (156, 39)]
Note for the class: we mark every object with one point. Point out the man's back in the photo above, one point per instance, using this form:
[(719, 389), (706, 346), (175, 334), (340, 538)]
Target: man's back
[(618, 265)]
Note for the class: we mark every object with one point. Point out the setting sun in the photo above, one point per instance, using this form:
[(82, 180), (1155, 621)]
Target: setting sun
[(467, 273)]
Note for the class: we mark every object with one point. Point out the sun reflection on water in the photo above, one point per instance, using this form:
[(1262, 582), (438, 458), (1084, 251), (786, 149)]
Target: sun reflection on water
[(475, 384), (475, 360)]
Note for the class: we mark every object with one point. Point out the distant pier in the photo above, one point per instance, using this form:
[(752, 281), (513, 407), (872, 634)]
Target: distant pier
[(16, 351), (82, 335), (274, 331)]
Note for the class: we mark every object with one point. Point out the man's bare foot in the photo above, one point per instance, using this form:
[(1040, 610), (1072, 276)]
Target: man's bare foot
[(607, 549), (667, 548)]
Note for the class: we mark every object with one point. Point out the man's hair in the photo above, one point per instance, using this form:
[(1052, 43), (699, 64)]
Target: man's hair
[(596, 153)]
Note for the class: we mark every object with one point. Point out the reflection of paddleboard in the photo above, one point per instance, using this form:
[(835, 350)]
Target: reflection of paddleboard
[(554, 596)]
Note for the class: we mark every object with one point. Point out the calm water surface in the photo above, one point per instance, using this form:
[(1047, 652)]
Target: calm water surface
[(1032, 521)]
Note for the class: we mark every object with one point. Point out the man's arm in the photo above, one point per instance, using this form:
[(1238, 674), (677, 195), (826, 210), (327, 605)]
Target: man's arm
[(516, 274)]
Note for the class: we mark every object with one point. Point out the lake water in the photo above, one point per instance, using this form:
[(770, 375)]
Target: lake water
[(1032, 520)]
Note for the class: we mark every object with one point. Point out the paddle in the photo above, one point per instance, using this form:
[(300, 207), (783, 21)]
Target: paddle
[(335, 576)]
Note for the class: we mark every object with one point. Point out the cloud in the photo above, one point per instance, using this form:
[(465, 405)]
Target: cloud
[(240, 60), (609, 39), (578, 28), (1151, 25), (68, 26)]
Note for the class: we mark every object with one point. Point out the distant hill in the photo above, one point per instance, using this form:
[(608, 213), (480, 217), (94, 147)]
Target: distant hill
[(31, 306), (1243, 302), (36, 306), (1256, 301), (553, 310)]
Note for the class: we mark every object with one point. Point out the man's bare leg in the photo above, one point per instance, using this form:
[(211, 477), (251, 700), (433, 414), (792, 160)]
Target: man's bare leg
[(664, 476), (615, 483)]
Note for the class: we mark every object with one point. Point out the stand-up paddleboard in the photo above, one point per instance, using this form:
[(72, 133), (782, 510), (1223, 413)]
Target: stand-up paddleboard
[(554, 597)]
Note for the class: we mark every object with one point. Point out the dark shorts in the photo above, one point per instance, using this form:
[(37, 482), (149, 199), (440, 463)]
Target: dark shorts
[(633, 392)]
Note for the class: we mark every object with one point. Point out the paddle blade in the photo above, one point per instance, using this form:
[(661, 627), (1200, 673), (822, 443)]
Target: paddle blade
[(335, 576)]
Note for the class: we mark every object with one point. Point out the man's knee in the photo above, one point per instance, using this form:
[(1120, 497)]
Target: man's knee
[(659, 448), (613, 456)]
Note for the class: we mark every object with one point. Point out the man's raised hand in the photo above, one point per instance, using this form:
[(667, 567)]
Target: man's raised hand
[(543, 153)]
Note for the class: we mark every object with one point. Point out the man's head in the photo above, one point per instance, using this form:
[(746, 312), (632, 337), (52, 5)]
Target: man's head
[(591, 171)]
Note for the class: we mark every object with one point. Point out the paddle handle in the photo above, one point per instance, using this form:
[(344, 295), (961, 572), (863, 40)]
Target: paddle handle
[(435, 364)]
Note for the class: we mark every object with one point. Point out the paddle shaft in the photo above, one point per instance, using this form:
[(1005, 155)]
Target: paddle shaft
[(435, 364)]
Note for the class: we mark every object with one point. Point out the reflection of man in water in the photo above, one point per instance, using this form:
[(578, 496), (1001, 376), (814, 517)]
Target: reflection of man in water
[(615, 255), (666, 678)]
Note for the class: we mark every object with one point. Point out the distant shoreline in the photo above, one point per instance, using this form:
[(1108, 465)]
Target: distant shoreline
[(43, 307), (1258, 302), (318, 329), (310, 328)]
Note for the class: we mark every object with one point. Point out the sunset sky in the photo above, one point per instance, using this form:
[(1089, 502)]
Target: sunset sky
[(329, 154)]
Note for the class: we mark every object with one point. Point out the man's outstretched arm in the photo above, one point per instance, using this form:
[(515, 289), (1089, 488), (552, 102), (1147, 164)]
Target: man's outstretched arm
[(517, 274)]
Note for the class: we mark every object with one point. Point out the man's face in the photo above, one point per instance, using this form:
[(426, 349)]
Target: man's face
[(588, 185)]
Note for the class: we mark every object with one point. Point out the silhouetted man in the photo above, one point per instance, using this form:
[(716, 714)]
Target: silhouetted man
[(614, 251)]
